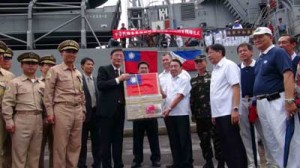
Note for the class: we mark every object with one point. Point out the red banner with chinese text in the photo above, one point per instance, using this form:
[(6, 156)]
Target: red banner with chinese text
[(191, 32)]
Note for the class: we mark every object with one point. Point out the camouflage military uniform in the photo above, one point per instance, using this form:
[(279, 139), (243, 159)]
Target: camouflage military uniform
[(201, 114)]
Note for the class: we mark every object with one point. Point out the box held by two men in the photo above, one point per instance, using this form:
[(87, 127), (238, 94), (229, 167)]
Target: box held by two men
[(143, 97)]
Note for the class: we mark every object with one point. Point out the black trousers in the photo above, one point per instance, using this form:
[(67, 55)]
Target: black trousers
[(93, 128), (150, 126), (179, 133), (111, 142), (47, 137), (232, 145), (207, 132), (123, 43)]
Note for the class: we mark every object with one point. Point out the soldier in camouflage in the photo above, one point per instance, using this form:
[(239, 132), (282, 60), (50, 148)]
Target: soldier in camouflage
[(201, 114)]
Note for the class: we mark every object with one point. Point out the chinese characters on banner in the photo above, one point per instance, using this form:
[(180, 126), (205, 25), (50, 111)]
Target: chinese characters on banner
[(191, 32)]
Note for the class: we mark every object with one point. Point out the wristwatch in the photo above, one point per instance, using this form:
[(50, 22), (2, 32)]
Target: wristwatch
[(290, 101), (235, 108)]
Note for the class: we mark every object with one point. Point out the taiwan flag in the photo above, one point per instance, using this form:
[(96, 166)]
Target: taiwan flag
[(142, 84), (186, 58), (132, 58)]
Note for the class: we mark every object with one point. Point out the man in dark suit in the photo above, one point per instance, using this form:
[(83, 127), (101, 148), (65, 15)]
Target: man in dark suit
[(112, 112), (91, 123)]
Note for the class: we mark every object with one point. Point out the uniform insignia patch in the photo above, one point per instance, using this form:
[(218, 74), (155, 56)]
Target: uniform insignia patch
[(2, 91), (7, 88), (48, 75)]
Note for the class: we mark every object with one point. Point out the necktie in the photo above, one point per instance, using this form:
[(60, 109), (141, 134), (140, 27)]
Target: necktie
[(116, 72), (121, 94), (91, 88)]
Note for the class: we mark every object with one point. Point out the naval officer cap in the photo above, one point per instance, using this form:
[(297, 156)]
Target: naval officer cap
[(3, 47), (29, 57), (9, 53), (200, 58), (68, 45), (49, 59)]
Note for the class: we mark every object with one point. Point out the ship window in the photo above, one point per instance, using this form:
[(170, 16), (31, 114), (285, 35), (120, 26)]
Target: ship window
[(187, 11), (296, 2)]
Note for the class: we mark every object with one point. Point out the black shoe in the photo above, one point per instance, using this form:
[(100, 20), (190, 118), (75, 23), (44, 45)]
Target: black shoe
[(136, 165), (156, 164), (209, 164), (170, 166), (221, 164)]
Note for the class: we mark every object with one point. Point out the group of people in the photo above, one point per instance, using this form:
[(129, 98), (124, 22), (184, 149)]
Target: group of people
[(157, 40), (253, 96), (234, 104), (33, 115), (229, 105)]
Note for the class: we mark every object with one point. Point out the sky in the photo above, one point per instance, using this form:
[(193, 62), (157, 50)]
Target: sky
[(125, 5)]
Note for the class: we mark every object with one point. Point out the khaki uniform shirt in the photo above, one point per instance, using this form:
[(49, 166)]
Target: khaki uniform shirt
[(42, 79), (22, 94), (63, 85), (5, 76)]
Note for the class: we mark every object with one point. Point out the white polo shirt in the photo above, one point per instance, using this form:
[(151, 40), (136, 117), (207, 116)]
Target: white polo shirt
[(164, 77), (179, 84), (225, 74), (293, 56)]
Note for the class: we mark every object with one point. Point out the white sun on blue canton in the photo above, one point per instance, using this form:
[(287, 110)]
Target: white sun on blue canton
[(133, 79), (131, 55)]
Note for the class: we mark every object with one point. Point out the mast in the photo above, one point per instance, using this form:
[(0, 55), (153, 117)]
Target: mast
[(171, 14)]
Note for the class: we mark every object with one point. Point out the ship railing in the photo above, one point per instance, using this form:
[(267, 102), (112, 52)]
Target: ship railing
[(242, 13), (263, 18)]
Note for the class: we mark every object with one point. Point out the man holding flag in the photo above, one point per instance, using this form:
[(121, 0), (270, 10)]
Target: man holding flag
[(139, 128), (112, 109), (176, 114)]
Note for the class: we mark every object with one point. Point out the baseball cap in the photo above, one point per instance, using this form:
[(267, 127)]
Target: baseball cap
[(262, 30)]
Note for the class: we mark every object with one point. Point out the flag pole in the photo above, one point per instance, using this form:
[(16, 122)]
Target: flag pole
[(138, 84)]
